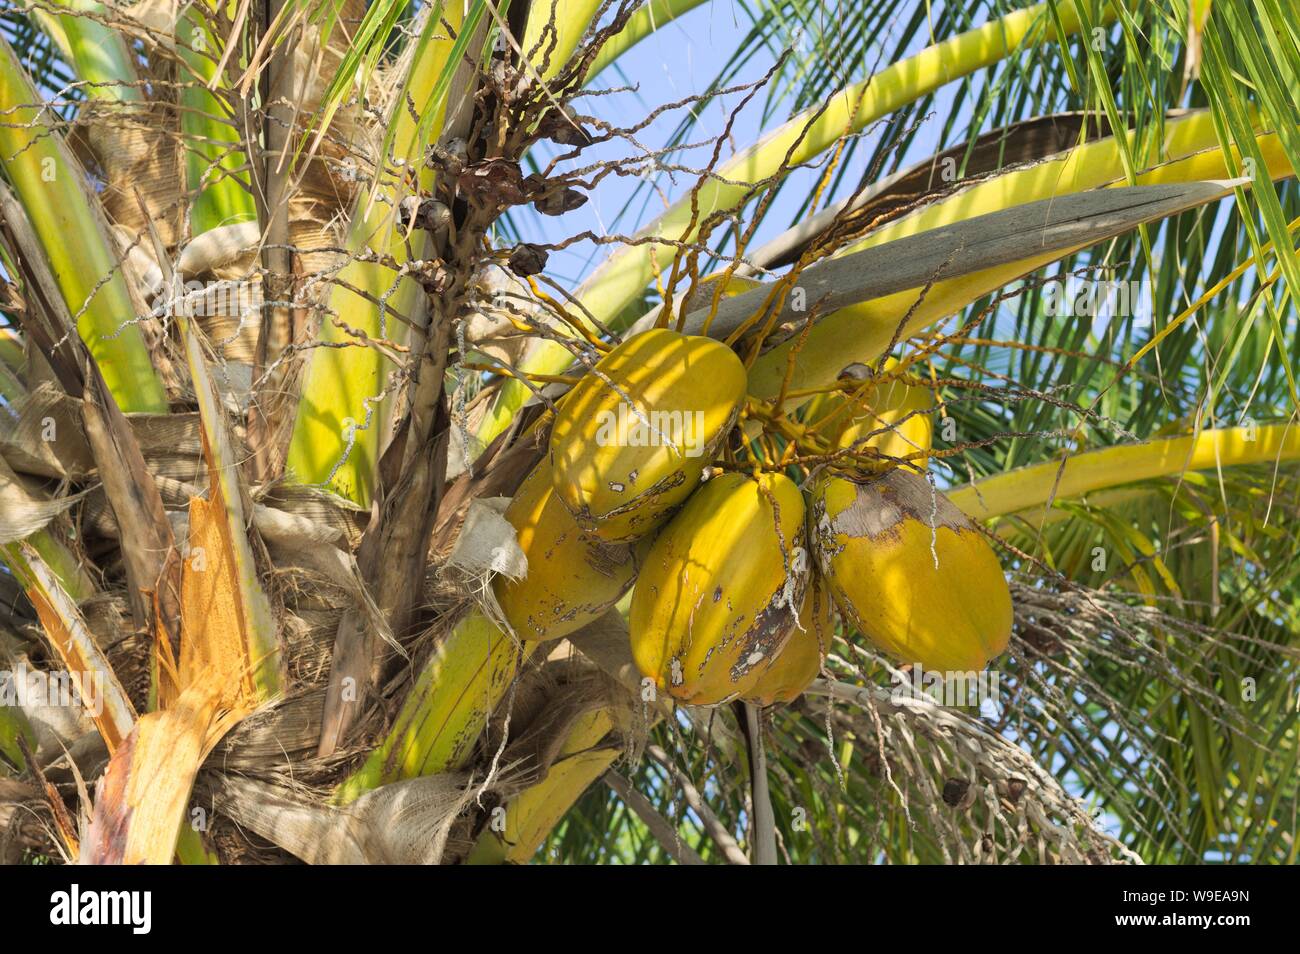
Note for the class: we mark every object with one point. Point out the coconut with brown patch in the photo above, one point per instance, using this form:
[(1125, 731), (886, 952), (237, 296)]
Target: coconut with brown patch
[(797, 665), (573, 575), (910, 571), (717, 595), (632, 439)]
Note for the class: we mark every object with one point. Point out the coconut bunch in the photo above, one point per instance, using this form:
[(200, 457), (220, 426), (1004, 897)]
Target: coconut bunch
[(373, 557), (741, 541)]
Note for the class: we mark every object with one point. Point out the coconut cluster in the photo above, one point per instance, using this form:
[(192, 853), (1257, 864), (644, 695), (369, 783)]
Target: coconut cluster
[(738, 575)]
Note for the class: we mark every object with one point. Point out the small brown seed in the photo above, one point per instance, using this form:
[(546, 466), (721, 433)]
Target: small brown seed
[(527, 259), (954, 790), (560, 201)]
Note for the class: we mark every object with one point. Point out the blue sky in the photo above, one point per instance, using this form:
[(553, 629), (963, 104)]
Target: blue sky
[(677, 61)]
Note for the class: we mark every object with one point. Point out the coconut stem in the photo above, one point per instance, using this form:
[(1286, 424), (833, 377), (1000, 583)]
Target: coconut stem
[(764, 841)]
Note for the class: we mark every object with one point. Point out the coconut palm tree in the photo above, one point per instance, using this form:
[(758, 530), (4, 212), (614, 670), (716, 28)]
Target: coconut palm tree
[(292, 290)]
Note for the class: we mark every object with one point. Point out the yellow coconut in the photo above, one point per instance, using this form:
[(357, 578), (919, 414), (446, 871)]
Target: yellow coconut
[(631, 440), (716, 597), (573, 575), (892, 417), (797, 665), (910, 571)]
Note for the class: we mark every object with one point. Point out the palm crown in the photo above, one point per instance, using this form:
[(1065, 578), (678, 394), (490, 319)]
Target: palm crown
[(296, 292)]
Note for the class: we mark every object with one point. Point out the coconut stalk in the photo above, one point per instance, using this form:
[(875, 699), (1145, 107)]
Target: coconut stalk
[(863, 333), (72, 576), (148, 550), (393, 553), (1036, 486), (1031, 230), (273, 177), (228, 664), (534, 813), (763, 824), (48, 183), (531, 815), (73, 643), (340, 421), (447, 707), (215, 166)]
